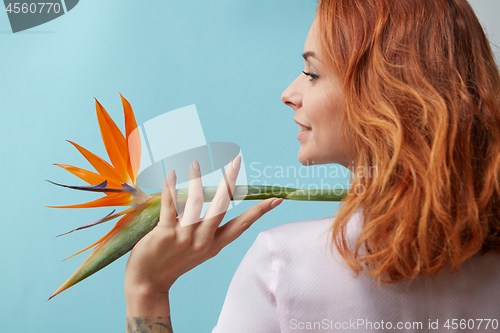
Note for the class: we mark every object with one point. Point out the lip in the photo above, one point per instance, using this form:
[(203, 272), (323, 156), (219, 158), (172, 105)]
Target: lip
[(302, 134), (300, 123)]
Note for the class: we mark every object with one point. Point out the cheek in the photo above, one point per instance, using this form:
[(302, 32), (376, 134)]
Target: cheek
[(334, 107), (328, 120), (326, 113)]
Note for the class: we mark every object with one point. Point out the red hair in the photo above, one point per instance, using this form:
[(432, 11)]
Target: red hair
[(422, 97)]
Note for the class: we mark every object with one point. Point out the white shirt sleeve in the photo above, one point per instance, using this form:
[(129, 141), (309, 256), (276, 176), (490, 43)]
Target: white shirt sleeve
[(250, 304)]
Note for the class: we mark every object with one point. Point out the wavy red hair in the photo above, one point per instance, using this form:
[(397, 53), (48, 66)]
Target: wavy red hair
[(422, 97)]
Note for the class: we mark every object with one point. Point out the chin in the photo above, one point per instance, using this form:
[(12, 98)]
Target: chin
[(307, 160)]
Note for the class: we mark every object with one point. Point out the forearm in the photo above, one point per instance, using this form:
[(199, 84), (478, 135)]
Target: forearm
[(148, 312)]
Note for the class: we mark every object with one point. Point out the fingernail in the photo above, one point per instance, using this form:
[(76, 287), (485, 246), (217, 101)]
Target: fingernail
[(276, 202), (237, 162), (171, 175), (196, 165)]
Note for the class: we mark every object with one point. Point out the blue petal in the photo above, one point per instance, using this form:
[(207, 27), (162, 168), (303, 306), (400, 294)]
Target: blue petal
[(104, 219), (95, 188), (128, 188)]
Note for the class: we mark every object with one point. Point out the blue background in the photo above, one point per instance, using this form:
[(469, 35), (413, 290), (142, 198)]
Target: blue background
[(231, 58)]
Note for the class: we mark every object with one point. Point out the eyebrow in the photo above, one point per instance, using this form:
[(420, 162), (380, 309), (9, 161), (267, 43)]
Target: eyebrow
[(305, 55)]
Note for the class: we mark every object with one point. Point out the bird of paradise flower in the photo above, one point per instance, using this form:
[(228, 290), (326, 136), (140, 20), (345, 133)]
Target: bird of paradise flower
[(118, 181)]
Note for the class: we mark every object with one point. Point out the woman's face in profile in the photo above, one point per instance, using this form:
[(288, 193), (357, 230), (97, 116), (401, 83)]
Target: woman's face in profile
[(317, 99)]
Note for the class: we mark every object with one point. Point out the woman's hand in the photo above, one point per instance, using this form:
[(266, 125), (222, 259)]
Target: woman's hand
[(170, 250)]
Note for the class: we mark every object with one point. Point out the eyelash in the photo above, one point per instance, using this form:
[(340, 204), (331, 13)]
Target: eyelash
[(311, 75)]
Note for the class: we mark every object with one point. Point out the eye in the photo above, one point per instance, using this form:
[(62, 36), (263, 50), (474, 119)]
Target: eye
[(311, 75)]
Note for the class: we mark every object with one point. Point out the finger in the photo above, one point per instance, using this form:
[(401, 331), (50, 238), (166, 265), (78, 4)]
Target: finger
[(167, 211), (234, 228), (218, 207), (194, 202), (172, 185)]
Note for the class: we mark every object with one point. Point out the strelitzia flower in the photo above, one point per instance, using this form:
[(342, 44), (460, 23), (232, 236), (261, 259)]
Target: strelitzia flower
[(118, 181)]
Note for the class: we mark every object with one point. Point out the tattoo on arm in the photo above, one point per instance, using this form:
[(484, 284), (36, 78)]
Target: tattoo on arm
[(149, 325)]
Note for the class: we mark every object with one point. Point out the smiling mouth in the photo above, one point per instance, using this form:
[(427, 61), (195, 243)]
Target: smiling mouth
[(303, 128)]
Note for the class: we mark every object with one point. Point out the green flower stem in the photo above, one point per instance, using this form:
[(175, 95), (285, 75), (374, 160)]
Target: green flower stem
[(253, 192), (145, 217)]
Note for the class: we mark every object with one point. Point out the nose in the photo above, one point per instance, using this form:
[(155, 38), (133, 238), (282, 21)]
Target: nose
[(292, 96)]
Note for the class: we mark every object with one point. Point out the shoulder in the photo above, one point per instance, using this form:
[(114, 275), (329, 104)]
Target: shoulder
[(302, 235), (303, 246), (293, 231)]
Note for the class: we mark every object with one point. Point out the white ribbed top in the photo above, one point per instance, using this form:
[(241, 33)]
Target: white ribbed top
[(289, 281)]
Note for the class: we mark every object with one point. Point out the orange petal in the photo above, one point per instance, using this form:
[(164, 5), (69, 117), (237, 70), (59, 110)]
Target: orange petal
[(133, 140), (113, 141), (101, 166), (90, 177), (103, 238), (113, 199)]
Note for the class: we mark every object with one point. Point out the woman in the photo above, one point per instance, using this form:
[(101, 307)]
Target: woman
[(411, 88)]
